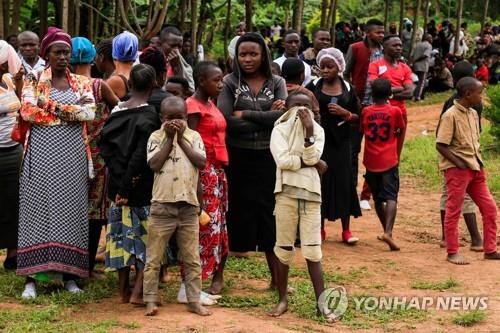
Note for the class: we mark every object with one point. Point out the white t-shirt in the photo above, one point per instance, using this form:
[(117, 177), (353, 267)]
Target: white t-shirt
[(307, 69)]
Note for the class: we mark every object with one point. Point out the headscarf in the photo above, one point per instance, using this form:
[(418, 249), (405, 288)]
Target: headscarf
[(334, 54), (265, 66), (125, 47), (9, 55), (82, 51), (54, 35)]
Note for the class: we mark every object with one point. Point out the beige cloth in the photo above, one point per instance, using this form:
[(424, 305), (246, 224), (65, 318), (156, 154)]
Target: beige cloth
[(459, 129), (289, 152), (178, 178), (164, 220), (292, 214)]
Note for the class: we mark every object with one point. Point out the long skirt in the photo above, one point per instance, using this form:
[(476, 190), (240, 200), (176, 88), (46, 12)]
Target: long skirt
[(251, 178), (213, 235), (126, 237), (10, 165), (53, 215)]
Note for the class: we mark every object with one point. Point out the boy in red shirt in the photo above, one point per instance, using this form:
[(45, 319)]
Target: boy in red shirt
[(482, 73), (382, 124)]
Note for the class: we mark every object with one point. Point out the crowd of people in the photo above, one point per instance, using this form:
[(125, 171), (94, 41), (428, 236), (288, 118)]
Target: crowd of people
[(174, 154)]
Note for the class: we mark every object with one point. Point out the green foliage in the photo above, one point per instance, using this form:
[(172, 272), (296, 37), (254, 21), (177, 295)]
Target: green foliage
[(470, 318), (492, 113)]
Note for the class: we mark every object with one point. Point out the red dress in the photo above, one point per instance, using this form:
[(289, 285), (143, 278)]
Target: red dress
[(213, 235)]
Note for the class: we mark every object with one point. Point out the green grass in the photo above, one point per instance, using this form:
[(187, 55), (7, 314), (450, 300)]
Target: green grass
[(430, 99), (470, 318), (446, 285), (419, 160), (52, 319)]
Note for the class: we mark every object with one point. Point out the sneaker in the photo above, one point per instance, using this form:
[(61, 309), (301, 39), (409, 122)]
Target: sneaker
[(348, 238), (205, 299), (29, 291), (365, 205), (72, 287)]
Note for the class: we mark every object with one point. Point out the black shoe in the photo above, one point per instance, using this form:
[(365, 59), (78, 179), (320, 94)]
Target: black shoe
[(10, 263)]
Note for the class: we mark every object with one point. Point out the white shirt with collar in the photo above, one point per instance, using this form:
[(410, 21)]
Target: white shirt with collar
[(40, 64), (307, 68)]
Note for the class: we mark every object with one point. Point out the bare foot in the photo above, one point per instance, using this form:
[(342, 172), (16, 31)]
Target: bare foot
[(442, 244), (281, 308), (492, 256), (457, 259), (329, 318), (136, 300), (389, 241), (476, 248), (125, 297), (216, 287), (196, 307), (151, 309)]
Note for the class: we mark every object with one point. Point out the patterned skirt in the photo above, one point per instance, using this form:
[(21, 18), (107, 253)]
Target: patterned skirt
[(213, 235), (53, 220), (126, 237)]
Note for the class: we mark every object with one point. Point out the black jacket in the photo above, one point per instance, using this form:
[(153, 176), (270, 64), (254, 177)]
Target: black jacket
[(123, 142)]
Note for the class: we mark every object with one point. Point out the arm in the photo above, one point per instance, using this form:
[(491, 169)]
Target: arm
[(108, 95), (372, 75), (117, 85), (268, 118), (406, 92), (444, 150), (282, 156), (193, 152), (157, 161), (225, 103), (349, 64), (33, 109), (193, 120)]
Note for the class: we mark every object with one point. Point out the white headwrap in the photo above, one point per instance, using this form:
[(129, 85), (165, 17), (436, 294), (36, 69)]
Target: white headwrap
[(8, 54), (334, 54)]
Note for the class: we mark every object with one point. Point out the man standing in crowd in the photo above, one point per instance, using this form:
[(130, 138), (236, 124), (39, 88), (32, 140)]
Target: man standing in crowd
[(421, 57), (321, 40), (171, 44), (29, 48), (358, 58), (292, 46)]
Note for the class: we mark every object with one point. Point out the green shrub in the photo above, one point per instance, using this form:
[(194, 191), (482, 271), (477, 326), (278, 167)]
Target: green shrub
[(492, 113)]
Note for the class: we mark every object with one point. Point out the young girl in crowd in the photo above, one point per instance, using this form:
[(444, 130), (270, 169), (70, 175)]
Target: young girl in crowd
[(125, 52), (123, 144), (205, 118), (339, 109)]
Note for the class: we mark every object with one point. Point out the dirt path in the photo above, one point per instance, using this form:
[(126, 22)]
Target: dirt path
[(417, 231)]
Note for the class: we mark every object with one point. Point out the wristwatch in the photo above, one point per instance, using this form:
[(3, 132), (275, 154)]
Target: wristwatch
[(310, 140)]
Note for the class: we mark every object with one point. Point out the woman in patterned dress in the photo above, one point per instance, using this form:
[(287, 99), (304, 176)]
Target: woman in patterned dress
[(206, 118), (53, 224), (83, 54)]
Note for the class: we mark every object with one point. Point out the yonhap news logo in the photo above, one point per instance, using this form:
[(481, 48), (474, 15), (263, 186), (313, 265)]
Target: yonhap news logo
[(334, 302)]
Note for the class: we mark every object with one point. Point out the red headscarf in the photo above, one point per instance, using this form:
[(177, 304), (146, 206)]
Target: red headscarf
[(54, 35)]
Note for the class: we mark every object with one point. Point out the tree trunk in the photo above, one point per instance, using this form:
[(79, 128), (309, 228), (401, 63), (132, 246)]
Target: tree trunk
[(71, 18), (324, 9), (194, 25), (485, 16), (415, 27), (2, 33), (202, 21), (298, 9), (90, 15), (459, 22), (401, 16), (43, 9), (386, 15), (333, 10), (287, 17), (16, 16), (64, 15), (182, 15), (435, 4), (77, 18), (426, 14), (6, 17), (248, 14), (227, 28)]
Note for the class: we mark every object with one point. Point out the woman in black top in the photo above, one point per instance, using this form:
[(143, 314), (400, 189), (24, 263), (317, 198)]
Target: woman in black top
[(123, 144), (339, 110), (252, 100)]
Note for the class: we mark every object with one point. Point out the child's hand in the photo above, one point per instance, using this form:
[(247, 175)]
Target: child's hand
[(461, 164), (181, 128), (306, 119), (321, 166), (337, 110), (170, 129), (278, 104), (120, 201)]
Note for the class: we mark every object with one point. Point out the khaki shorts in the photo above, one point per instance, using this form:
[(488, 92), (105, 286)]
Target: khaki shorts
[(292, 214), (468, 207)]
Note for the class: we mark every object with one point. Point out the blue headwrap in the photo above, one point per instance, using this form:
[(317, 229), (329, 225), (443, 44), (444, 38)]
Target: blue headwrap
[(82, 51), (125, 47)]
